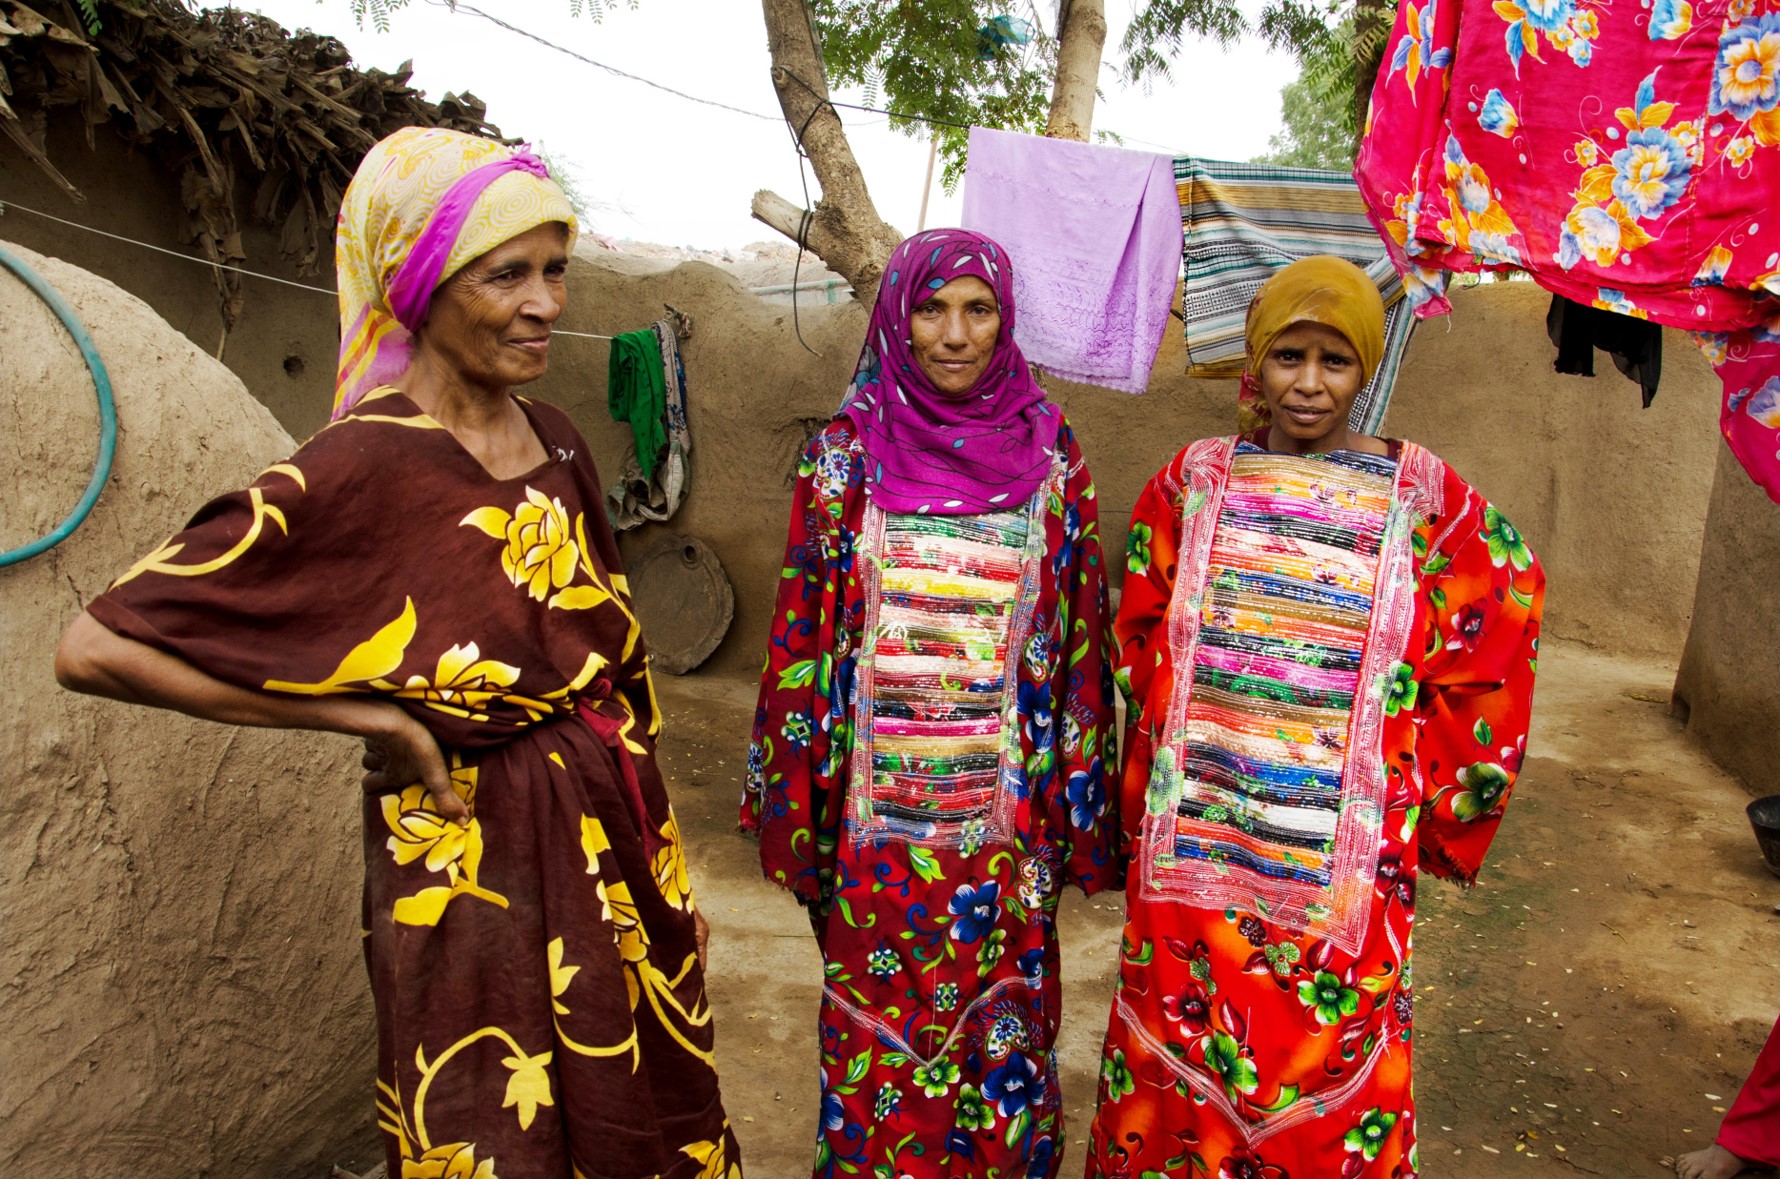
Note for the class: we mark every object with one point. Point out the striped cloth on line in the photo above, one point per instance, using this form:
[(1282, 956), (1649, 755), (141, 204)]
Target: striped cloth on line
[(1240, 223)]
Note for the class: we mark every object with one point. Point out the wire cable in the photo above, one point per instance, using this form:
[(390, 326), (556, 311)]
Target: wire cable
[(6, 205)]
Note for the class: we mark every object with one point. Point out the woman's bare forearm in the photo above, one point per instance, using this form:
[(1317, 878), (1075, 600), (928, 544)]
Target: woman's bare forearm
[(99, 662)]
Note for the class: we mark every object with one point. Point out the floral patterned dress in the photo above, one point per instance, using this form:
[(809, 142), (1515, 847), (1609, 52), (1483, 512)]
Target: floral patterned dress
[(1329, 665), (1623, 154), (926, 773), (540, 1007)]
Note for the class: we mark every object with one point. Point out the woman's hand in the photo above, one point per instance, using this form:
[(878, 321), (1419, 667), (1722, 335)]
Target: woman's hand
[(406, 754), (701, 933)]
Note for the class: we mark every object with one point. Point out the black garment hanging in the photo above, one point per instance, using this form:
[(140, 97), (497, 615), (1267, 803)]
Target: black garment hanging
[(1635, 344)]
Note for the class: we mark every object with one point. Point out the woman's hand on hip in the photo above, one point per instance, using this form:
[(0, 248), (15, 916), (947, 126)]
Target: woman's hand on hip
[(406, 754)]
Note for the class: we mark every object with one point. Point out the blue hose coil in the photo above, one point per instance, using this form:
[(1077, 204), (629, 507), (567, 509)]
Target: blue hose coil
[(107, 412)]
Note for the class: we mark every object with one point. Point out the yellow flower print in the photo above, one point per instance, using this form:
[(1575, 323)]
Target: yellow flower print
[(1740, 150), (670, 867), (463, 683), (1714, 268), (1587, 153), (367, 663), (529, 1086), (455, 1160), (1687, 134), (618, 907), (1602, 234), (712, 1158), (417, 830), (560, 976), (593, 842), (541, 553), (161, 560)]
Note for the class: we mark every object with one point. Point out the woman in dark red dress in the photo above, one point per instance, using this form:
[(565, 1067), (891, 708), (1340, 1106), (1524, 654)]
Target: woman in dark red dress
[(433, 572)]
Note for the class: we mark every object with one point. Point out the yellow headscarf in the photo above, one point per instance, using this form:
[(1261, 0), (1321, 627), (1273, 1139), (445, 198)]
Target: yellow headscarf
[(1321, 289), (424, 202)]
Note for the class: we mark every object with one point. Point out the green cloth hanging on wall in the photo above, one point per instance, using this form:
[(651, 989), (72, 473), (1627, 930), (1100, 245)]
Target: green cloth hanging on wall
[(636, 392)]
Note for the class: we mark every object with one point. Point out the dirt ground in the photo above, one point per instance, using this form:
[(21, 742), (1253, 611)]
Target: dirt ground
[(1592, 1006)]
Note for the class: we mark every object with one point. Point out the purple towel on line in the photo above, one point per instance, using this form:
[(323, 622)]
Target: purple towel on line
[(1094, 234)]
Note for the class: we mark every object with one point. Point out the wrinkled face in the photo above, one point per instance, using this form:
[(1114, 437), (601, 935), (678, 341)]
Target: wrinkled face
[(1309, 379), (490, 322), (953, 332)]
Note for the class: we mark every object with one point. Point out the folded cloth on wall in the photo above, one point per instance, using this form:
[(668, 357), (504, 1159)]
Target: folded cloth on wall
[(1625, 157), (636, 392), (1242, 222), (1636, 345), (1094, 233), (635, 497)]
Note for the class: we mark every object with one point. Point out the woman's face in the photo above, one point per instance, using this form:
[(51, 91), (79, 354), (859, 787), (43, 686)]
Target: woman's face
[(1309, 379), (490, 322), (953, 332)]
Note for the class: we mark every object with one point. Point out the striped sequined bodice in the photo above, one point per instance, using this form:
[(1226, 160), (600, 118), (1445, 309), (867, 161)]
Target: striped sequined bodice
[(1282, 634), (947, 603)]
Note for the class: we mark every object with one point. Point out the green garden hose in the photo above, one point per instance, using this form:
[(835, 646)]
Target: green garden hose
[(107, 412)]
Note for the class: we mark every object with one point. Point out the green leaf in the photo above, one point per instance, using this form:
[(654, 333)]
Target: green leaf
[(925, 864), (798, 675), (858, 1067), (1481, 730), (1287, 1095), (1016, 1128)]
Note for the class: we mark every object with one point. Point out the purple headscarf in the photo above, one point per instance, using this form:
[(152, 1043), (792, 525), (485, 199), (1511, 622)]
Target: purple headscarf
[(924, 452)]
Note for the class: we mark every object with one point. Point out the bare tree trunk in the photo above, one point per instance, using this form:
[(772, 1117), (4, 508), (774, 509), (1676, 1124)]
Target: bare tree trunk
[(1081, 37), (844, 230)]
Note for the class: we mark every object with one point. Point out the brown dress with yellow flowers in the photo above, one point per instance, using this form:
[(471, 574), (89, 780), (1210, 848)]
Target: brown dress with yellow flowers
[(540, 1007)]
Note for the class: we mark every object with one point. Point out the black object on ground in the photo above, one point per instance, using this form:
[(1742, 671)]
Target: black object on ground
[(1764, 816)]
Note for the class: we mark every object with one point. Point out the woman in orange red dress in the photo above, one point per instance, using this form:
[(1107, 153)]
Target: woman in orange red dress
[(1328, 644)]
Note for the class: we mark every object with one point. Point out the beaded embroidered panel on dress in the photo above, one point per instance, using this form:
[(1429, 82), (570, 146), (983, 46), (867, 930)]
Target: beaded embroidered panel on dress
[(949, 602), (1267, 792)]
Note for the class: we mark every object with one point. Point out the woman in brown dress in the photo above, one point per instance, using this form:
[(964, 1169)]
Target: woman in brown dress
[(433, 573)]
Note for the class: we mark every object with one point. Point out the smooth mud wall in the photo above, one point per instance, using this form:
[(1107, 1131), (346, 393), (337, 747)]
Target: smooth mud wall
[(182, 990), (1729, 685)]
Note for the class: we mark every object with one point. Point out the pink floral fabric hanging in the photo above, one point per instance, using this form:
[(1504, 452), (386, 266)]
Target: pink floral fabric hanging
[(1626, 155)]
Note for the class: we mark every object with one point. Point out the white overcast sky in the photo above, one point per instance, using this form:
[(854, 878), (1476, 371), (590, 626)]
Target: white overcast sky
[(662, 169)]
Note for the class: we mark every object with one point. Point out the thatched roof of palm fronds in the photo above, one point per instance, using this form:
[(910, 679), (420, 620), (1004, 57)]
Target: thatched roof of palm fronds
[(254, 121)]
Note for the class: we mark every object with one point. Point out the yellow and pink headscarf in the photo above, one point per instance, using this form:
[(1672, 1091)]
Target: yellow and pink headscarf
[(424, 202)]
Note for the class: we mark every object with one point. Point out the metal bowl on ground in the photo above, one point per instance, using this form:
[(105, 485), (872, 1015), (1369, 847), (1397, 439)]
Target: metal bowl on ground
[(1764, 816)]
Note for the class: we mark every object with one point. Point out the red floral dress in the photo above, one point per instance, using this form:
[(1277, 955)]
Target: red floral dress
[(932, 869), (1329, 661)]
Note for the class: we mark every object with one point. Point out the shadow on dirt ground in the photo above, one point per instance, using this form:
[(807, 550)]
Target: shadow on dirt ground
[(1592, 1006)]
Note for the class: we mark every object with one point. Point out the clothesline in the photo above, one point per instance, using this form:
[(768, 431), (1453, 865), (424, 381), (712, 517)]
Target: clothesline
[(6, 205)]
